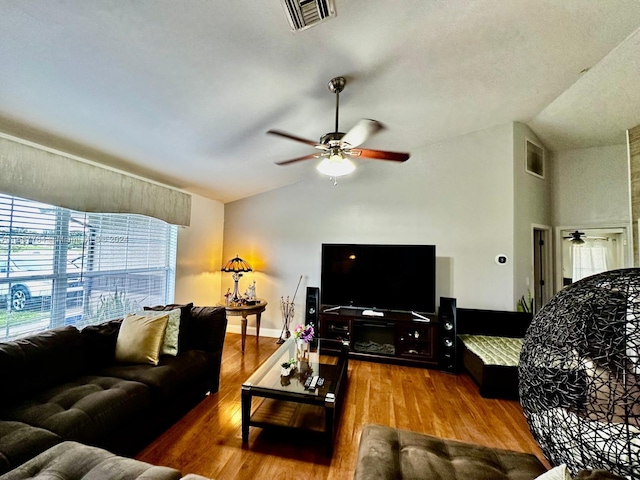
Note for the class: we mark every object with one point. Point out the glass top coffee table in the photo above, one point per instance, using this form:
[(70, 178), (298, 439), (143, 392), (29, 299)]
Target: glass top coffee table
[(284, 400)]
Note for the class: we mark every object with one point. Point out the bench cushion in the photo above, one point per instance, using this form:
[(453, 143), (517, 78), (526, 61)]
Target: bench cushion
[(19, 442), (73, 461), (389, 453)]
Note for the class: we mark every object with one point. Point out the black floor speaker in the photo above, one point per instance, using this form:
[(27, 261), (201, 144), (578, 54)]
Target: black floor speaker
[(447, 331), (312, 306)]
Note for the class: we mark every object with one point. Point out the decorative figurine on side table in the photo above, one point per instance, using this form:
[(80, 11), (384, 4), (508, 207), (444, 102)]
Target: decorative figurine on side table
[(250, 294)]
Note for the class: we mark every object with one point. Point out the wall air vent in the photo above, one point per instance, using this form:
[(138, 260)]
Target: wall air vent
[(303, 14)]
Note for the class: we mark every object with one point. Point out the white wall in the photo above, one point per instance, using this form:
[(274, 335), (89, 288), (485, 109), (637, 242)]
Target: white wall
[(590, 187), (532, 205), (456, 194), (199, 256)]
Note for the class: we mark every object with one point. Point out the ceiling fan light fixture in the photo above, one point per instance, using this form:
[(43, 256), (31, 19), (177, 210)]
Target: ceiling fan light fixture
[(576, 238), (336, 165)]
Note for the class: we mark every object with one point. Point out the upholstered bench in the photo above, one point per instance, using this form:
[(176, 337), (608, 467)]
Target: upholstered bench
[(74, 461), (388, 453), (19, 442)]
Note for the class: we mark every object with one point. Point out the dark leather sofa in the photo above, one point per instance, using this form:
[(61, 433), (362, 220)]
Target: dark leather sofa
[(62, 387)]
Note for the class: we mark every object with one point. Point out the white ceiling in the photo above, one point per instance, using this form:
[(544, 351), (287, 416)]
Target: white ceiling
[(183, 91)]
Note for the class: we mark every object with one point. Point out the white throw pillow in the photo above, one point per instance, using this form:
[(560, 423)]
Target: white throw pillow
[(557, 473)]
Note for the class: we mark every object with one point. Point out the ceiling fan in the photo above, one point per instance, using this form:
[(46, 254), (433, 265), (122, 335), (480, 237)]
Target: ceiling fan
[(336, 146), (575, 237)]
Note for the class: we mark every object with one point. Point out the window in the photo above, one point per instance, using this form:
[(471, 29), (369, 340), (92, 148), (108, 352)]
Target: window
[(597, 254), (61, 267), (589, 259)]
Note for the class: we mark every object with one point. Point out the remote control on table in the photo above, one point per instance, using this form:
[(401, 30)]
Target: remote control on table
[(313, 382), (320, 382), (307, 382)]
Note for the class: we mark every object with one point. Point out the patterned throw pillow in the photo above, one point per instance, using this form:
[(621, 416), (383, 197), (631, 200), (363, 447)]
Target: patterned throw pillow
[(170, 343), (185, 320)]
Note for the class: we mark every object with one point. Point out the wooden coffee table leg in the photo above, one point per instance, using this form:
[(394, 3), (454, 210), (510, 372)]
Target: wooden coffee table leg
[(329, 421), (246, 412)]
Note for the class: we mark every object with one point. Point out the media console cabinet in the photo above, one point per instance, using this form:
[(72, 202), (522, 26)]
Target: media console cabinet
[(396, 337)]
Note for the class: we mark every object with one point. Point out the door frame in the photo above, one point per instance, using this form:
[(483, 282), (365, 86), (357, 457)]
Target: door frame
[(548, 262), (628, 248)]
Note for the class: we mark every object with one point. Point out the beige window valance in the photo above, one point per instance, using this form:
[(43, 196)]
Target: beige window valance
[(38, 173)]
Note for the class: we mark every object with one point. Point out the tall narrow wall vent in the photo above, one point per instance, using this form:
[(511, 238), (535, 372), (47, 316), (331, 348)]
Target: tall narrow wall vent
[(303, 14)]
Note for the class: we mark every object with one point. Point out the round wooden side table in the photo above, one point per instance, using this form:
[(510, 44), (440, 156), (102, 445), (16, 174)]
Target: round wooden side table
[(245, 310)]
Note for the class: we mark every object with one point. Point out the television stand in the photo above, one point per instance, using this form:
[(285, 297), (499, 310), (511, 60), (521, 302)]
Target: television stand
[(333, 309), (396, 337)]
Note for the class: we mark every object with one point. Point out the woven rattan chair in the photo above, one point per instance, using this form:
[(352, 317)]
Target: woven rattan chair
[(580, 374)]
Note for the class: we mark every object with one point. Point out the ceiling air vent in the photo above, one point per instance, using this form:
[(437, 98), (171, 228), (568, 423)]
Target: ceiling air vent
[(303, 14)]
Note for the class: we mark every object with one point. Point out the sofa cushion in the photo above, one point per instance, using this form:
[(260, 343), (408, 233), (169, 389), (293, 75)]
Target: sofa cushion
[(140, 338), (100, 343), (388, 453), (171, 334), (207, 328), (85, 409), (40, 361), (185, 321), (73, 461), (170, 377), (19, 442), (611, 395)]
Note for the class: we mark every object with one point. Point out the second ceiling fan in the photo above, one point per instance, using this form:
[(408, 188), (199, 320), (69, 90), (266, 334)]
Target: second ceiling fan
[(336, 146)]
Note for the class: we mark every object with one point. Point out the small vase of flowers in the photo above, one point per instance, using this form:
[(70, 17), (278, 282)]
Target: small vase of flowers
[(303, 334)]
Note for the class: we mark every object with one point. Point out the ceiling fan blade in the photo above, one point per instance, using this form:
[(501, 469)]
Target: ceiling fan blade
[(299, 159), (297, 139), (378, 154), (361, 131)]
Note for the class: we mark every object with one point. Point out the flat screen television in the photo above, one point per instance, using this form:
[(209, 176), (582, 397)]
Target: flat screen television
[(379, 277)]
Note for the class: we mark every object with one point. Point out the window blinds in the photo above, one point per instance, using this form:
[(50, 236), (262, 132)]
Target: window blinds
[(63, 267)]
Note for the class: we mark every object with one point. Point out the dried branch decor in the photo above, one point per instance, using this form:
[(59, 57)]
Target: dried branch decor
[(288, 311)]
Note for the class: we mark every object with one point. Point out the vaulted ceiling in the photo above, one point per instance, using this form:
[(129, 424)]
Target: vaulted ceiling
[(183, 91)]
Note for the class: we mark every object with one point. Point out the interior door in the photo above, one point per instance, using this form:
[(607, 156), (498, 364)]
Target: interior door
[(541, 270)]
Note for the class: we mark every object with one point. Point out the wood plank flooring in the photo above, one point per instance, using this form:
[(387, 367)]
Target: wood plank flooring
[(208, 440)]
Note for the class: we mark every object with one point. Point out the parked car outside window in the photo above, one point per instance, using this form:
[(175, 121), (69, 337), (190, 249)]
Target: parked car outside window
[(23, 292)]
